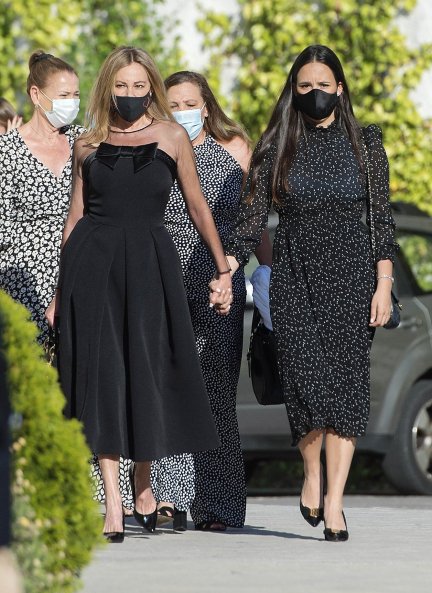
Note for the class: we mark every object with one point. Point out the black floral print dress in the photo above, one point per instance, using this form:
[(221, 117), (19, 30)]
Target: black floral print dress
[(33, 207), (323, 276)]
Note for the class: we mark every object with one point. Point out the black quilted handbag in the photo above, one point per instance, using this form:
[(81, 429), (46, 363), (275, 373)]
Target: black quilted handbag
[(262, 361)]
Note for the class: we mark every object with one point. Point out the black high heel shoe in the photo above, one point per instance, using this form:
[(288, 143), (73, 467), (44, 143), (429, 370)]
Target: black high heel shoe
[(337, 535), (314, 516), (115, 537), (179, 520), (147, 521)]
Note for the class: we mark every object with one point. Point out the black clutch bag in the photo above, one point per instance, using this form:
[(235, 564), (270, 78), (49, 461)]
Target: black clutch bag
[(394, 320), (262, 362)]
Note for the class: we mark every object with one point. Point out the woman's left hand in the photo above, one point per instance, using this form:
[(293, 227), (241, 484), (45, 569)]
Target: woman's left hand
[(13, 123), (221, 296), (381, 306)]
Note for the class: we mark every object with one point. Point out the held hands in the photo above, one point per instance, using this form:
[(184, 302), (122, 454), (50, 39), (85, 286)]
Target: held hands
[(381, 305), (221, 296)]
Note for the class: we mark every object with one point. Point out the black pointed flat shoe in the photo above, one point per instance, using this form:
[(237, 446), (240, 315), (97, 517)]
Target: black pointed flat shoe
[(336, 535)]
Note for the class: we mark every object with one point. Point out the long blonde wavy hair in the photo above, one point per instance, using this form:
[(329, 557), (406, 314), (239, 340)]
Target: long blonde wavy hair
[(100, 113)]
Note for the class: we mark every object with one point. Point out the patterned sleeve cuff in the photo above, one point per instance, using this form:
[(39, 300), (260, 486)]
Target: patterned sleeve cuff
[(387, 251), (241, 255)]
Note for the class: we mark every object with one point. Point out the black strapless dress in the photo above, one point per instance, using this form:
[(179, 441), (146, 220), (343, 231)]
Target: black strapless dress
[(127, 357)]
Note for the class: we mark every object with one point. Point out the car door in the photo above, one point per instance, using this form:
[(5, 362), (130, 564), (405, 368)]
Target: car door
[(400, 357)]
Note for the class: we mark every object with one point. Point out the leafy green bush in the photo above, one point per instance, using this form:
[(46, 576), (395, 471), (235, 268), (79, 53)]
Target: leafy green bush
[(50, 465)]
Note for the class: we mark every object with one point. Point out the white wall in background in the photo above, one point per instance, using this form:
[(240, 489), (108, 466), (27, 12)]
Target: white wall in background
[(417, 27), (187, 12)]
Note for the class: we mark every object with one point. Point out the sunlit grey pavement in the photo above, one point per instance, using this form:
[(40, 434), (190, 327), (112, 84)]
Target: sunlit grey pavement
[(390, 550)]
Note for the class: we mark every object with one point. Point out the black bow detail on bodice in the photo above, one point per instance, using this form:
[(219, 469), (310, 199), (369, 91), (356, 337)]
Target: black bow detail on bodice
[(143, 155)]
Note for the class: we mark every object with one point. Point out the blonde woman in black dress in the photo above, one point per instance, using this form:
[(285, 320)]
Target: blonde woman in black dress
[(327, 294), (127, 358)]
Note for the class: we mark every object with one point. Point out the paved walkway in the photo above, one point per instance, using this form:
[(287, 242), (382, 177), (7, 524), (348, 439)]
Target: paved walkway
[(389, 551)]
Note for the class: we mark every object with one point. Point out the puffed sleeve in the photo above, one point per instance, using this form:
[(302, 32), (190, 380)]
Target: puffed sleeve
[(386, 246), (253, 215)]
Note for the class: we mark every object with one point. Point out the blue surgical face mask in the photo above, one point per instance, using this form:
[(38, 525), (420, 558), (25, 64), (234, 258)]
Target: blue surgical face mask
[(191, 120)]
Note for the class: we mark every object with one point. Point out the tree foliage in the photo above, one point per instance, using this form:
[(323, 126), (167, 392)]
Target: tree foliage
[(381, 70), (81, 31), (26, 25), (106, 25)]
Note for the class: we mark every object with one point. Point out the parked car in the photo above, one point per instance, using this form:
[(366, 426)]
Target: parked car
[(400, 425)]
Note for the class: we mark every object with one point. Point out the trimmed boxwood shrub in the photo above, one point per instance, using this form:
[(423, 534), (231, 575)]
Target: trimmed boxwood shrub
[(50, 465)]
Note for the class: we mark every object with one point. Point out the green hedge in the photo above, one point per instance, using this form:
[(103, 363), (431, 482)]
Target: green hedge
[(51, 481)]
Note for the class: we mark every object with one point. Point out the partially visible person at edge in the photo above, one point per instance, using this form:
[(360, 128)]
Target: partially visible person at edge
[(327, 294), (35, 186), (9, 119), (127, 358)]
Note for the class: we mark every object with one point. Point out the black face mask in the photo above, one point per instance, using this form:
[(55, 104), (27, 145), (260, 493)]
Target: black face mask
[(316, 104), (132, 108)]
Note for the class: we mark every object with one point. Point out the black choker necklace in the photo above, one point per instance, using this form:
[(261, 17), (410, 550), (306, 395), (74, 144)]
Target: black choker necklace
[(132, 131)]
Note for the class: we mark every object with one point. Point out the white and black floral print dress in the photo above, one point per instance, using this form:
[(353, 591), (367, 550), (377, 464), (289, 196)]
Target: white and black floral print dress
[(33, 208)]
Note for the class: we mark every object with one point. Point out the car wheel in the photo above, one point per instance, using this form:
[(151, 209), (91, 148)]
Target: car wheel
[(408, 464)]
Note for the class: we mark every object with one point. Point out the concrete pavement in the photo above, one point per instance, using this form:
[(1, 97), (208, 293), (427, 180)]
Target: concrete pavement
[(389, 551)]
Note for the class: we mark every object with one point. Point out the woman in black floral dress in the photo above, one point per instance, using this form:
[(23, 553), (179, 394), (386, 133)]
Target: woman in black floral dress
[(327, 295), (35, 186)]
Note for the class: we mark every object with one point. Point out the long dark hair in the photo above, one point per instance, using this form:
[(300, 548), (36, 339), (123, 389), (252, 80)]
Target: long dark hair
[(287, 125), (217, 124)]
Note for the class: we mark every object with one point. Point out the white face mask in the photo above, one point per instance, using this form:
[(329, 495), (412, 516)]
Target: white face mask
[(191, 120), (64, 111)]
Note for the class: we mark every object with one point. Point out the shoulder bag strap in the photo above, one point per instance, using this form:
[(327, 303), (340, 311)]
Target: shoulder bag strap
[(369, 201)]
